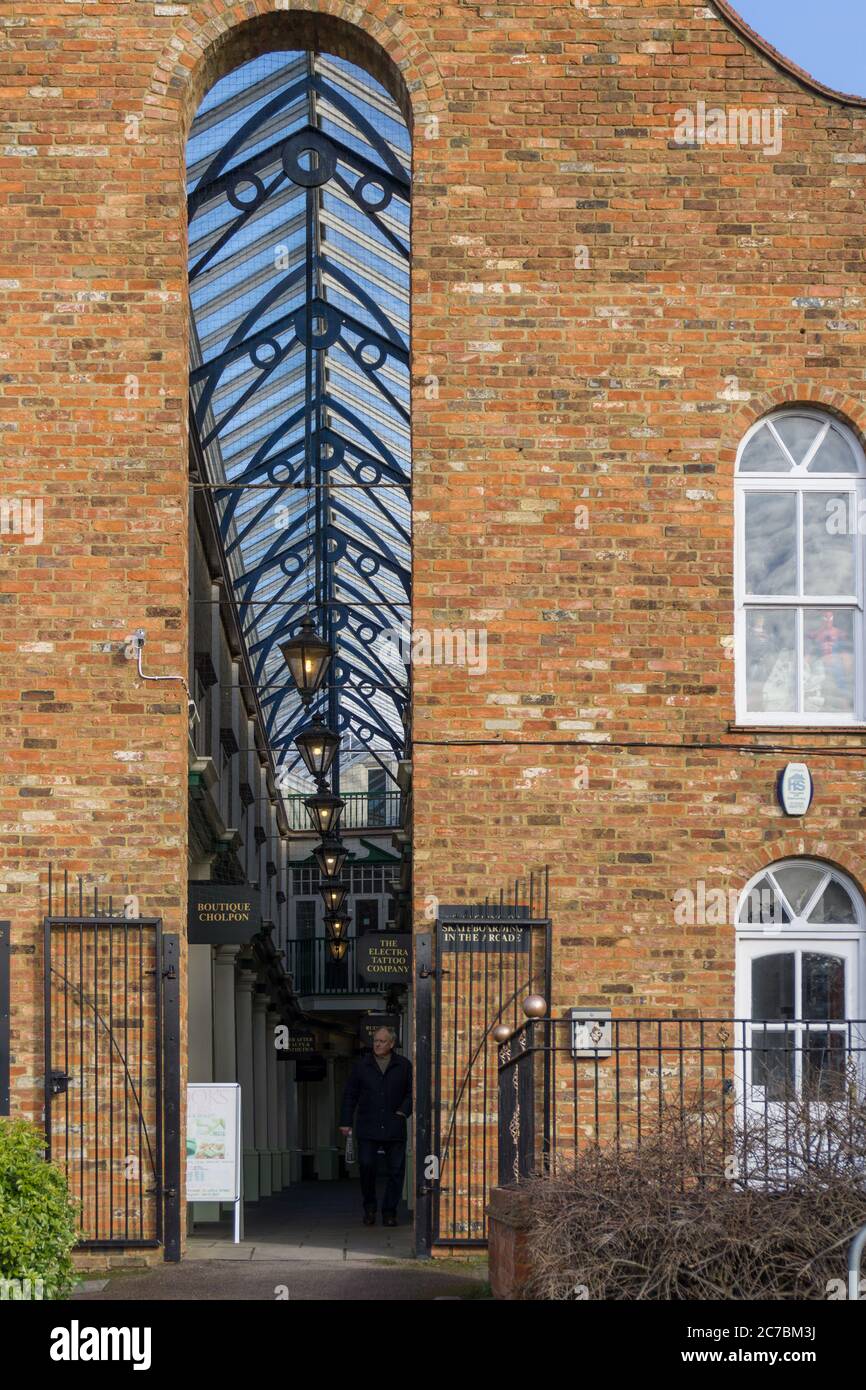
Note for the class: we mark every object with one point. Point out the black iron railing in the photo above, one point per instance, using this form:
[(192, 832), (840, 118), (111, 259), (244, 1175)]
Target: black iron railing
[(763, 1100), (363, 811), (313, 971)]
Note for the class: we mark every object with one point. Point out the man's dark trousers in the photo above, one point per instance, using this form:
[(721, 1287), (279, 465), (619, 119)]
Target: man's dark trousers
[(395, 1163)]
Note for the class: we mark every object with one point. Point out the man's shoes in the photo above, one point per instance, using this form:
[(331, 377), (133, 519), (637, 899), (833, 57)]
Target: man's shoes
[(389, 1219), (370, 1218)]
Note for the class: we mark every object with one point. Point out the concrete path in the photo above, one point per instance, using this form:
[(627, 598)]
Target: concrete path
[(306, 1243)]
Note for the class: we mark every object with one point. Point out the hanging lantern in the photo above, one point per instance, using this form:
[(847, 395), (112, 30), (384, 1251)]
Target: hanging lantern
[(334, 894), (337, 949), (325, 810), (330, 857), (337, 925), (317, 745), (308, 657)]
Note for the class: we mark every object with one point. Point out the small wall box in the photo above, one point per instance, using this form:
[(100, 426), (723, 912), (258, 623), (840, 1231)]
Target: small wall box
[(591, 1032)]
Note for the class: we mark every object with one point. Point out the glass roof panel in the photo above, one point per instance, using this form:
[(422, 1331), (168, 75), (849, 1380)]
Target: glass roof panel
[(299, 205)]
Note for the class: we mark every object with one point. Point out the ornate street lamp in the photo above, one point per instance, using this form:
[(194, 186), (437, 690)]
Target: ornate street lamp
[(337, 925), (337, 949), (308, 657), (334, 894), (330, 857), (317, 745), (325, 810)]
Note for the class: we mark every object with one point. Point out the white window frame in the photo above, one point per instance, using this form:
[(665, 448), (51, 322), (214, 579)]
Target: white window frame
[(799, 482), (797, 936), (801, 934)]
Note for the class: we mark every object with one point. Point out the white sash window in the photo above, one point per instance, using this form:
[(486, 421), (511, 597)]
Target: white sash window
[(801, 519)]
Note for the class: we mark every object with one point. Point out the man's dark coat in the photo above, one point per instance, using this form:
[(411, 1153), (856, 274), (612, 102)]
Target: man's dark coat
[(383, 1098)]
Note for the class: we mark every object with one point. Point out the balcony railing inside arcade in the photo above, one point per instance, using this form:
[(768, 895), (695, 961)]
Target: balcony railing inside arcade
[(313, 971), (362, 811), (733, 1100)]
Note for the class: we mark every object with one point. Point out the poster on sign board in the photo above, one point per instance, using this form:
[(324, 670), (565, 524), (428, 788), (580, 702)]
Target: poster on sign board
[(213, 1132)]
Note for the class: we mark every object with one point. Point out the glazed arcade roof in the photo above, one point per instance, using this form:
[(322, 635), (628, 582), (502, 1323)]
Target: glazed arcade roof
[(298, 183)]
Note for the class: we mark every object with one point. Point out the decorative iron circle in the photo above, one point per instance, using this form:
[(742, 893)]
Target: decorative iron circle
[(334, 458), (308, 142), (245, 204), (305, 325), (368, 565), (280, 473), (367, 689), (367, 633), (372, 204), (291, 565), (368, 473), (267, 345), (371, 364)]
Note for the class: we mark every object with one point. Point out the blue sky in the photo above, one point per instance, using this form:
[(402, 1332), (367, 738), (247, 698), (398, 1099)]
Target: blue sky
[(827, 39)]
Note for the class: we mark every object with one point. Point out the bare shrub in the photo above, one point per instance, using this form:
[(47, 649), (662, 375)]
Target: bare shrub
[(722, 1206)]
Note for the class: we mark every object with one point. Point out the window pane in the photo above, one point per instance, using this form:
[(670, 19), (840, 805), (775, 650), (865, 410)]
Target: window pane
[(771, 673), (798, 434), (773, 1061), (798, 882), (771, 543), (828, 550), (773, 986), (762, 906), (823, 986), (834, 905), (828, 660), (763, 455), (834, 455), (824, 1057)]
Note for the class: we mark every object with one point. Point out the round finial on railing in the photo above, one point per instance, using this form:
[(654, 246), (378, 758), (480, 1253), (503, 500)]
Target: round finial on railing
[(534, 1006), (501, 1033)]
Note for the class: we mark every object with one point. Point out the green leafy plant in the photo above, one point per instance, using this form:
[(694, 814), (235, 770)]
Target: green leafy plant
[(38, 1226)]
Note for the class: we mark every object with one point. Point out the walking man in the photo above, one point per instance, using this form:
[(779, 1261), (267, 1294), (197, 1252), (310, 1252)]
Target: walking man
[(380, 1089)]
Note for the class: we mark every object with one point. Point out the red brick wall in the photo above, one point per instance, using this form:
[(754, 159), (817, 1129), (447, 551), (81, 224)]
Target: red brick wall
[(598, 315)]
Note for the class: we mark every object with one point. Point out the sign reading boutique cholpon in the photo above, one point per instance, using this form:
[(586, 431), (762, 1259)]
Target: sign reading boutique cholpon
[(483, 936), (385, 957), (222, 914)]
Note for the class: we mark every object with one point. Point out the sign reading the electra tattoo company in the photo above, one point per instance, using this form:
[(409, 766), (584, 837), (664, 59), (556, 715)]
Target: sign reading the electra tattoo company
[(222, 914), (483, 936), (385, 958)]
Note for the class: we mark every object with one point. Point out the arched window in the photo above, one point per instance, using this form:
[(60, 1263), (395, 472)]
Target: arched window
[(800, 986), (801, 479)]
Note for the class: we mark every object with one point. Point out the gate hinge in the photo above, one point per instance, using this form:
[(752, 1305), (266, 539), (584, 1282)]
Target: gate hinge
[(169, 1192), (169, 973), (425, 972)]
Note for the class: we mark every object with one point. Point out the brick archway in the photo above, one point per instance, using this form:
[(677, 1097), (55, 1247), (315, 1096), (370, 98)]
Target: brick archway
[(213, 41)]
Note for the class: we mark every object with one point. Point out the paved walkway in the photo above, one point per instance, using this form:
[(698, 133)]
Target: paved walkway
[(306, 1243), (310, 1221)]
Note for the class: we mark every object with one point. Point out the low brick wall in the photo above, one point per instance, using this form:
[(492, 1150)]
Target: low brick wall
[(508, 1226)]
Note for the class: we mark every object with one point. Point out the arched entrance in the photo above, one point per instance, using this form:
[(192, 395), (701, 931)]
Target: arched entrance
[(298, 166)]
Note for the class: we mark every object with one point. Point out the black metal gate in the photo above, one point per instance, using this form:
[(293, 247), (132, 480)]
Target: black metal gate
[(482, 962), (112, 1070)]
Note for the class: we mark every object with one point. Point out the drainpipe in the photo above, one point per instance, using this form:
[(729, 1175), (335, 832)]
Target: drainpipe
[(855, 1255)]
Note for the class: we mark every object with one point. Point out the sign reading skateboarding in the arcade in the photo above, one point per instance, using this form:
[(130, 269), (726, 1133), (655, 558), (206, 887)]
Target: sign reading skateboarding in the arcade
[(483, 936), (385, 958)]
